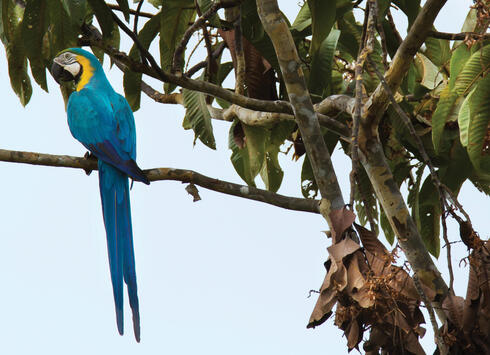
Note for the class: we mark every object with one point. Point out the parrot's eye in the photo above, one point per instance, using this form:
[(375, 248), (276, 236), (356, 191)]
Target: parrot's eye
[(68, 58)]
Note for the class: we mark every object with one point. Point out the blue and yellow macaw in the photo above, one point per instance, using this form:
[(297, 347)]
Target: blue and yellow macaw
[(103, 122)]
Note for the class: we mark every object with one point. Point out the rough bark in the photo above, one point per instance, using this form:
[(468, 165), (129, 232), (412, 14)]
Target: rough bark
[(156, 174)]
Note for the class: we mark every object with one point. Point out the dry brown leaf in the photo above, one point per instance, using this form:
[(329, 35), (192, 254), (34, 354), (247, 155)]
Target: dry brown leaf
[(335, 281), (453, 307), (341, 220), (353, 333), (355, 279), (259, 76), (370, 241)]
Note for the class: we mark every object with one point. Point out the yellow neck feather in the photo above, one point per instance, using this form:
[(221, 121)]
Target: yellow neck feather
[(87, 73)]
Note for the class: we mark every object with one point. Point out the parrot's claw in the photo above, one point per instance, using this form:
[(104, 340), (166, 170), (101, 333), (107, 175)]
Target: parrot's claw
[(88, 156)]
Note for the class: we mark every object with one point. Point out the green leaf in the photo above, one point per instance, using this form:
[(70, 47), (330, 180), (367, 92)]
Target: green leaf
[(12, 14), (175, 19), (386, 227), (364, 189), (61, 31), (350, 37), (430, 214), (249, 159), (271, 171), (33, 30), (437, 50), (323, 14), (17, 64), (198, 118), (413, 199), (410, 8), (321, 65), (475, 67), (430, 74), (76, 10), (204, 5), (223, 70), (132, 80), (464, 119), (302, 20), (479, 127), (459, 58), (123, 4), (255, 138), (110, 30), (309, 188)]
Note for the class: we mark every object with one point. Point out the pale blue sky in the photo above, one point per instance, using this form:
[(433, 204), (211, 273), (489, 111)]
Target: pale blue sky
[(220, 276)]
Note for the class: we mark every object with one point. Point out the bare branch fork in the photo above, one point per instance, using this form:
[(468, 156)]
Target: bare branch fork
[(185, 176)]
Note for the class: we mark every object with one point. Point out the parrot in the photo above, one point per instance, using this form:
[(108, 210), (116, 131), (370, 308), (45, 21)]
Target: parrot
[(102, 120)]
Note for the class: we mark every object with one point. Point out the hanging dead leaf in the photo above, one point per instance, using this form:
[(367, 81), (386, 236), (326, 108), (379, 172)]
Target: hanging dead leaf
[(193, 191), (259, 75), (453, 307), (341, 220), (370, 241)]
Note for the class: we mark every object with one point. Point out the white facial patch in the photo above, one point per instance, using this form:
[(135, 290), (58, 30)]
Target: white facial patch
[(73, 68)]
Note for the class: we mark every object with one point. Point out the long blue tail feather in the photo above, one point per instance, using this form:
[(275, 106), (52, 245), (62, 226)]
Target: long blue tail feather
[(114, 192)]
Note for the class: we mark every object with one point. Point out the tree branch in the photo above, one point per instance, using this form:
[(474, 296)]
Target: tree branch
[(186, 176), (304, 113), (378, 102), (258, 118), (458, 36)]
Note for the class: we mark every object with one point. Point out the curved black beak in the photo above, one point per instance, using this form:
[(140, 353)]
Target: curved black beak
[(60, 74)]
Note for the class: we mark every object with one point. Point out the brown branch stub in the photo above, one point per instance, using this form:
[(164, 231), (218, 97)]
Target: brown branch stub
[(188, 176)]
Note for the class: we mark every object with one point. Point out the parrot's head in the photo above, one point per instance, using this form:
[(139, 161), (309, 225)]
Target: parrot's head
[(75, 64)]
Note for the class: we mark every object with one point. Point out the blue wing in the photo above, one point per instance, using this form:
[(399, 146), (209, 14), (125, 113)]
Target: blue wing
[(104, 124)]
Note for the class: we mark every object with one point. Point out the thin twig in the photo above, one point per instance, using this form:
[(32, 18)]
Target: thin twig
[(391, 21), (179, 50), (132, 12), (187, 176), (216, 53), (384, 47), (367, 46), (192, 53), (136, 17), (448, 249), (207, 42), (439, 340)]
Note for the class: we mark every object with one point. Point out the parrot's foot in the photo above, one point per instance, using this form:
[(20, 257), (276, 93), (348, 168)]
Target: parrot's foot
[(90, 156)]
